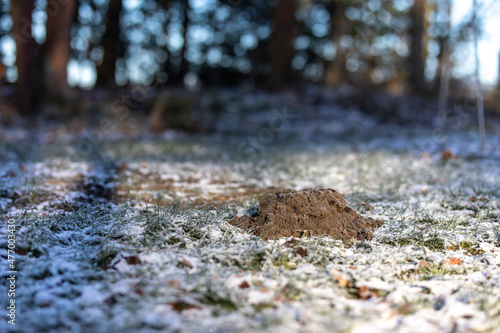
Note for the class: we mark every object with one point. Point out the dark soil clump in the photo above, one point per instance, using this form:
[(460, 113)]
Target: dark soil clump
[(307, 213)]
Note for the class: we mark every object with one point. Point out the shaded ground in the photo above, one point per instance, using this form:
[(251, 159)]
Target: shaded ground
[(124, 230)]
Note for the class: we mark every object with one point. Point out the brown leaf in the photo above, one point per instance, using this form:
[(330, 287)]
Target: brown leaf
[(173, 283), (423, 263), (475, 199), (300, 251), (9, 174), (186, 262), (281, 299), (122, 167), (181, 306), (133, 260), (367, 206), (427, 157), (244, 285), (365, 293), (341, 278), (405, 309), (453, 261), (56, 181), (448, 155)]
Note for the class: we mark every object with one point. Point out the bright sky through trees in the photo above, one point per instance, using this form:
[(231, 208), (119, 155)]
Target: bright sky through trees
[(489, 44)]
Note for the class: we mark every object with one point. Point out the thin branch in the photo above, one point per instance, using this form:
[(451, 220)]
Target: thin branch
[(479, 90), (445, 70)]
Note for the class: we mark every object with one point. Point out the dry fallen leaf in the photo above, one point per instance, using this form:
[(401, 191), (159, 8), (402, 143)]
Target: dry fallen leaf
[(423, 263), (448, 155), (281, 298), (173, 283), (427, 157), (453, 261), (186, 262), (367, 206), (9, 174), (475, 199), (244, 285), (388, 315), (122, 167), (132, 260), (300, 251), (181, 306), (365, 293), (341, 278)]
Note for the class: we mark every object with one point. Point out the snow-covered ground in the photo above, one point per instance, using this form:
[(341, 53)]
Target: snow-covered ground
[(120, 231)]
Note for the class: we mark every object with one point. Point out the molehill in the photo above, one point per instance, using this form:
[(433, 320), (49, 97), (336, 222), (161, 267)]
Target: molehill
[(307, 213)]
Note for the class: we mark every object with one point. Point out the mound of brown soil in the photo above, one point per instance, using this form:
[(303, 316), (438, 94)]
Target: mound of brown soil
[(307, 213)]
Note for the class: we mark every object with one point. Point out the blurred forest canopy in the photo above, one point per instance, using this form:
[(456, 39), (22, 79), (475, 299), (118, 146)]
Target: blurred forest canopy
[(49, 47)]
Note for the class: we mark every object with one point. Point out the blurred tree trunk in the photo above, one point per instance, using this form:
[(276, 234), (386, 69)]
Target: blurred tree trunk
[(2, 31), (417, 52), (444, 59), (25, 55), (112, 44), (183, 68), (281, 50), (479, 89), (498, 79), (444, 26), (336, 71), (60, 15), (177, 66)]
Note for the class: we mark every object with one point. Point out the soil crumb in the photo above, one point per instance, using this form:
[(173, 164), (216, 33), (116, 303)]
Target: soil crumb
[(307, 213)]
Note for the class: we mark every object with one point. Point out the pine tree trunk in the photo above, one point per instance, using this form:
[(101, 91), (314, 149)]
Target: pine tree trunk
[(60, 15), (281, 50), (25, 55), (443, 10), (177, 65), (112, 44), (417, 54), (336, 72)]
